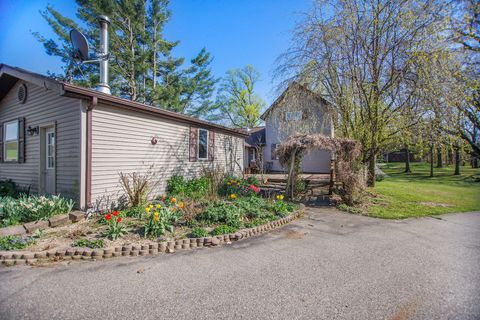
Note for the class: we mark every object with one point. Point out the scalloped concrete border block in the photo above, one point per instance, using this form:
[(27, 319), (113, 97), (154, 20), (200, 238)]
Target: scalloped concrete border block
[(152, 248)]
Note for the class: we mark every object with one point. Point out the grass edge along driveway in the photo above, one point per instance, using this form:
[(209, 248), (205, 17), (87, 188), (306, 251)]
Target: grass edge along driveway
[(404, 195)]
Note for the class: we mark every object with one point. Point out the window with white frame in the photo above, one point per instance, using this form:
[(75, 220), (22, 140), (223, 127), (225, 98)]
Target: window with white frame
[(50, 154), (293, 116), (202, 144), (10, 152)]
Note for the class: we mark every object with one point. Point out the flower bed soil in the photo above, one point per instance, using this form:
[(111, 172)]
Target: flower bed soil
[(56, 244)]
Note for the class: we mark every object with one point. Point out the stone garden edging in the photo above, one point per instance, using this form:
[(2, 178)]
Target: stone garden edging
[(58, 220), (8, 258)]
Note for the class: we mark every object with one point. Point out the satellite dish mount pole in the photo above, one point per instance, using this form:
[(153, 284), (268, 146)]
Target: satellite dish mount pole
[(103, 85)]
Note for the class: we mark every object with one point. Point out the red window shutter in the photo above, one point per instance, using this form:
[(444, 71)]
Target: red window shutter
[(193, 144), (1, 142), (211, 145), (21, 140)]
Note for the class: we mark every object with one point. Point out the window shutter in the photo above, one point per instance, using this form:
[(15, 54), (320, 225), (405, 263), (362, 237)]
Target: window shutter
[(21, 140), (193, 144), (211, 145), (1, 142), (272, 155)]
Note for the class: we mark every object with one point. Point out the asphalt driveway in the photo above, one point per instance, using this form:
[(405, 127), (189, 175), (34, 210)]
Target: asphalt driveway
[(327, 265)]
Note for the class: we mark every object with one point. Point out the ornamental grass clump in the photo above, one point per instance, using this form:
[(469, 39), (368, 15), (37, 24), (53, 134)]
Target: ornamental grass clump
[(115, 228)]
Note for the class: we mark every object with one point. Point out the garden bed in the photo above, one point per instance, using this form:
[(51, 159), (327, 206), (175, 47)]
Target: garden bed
[(61, 251), (190, 215), (18, 207)]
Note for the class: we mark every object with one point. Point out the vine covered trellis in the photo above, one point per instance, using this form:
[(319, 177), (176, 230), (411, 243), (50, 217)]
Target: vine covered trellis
[(348, 169)]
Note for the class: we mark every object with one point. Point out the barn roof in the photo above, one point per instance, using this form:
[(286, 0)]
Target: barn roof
[(291, 87)]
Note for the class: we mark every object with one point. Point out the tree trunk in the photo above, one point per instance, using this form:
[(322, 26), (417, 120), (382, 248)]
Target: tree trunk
[(431, 160), (371, 171), (407, 160), (475, 162), (439, 158), (457, 161)]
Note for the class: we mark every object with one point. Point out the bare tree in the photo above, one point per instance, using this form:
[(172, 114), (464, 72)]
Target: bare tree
[(362, 56)]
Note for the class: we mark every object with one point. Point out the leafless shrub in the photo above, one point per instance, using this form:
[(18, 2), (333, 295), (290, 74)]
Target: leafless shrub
[(136, 186), (349, 170)]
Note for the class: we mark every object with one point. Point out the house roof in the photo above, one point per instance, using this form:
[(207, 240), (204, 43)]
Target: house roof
[(293, 85), (256, 138), (9, 76)]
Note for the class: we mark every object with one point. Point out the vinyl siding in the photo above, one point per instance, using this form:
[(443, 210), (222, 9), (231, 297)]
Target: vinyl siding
[(121, 142), (277, 130), (41, 108)]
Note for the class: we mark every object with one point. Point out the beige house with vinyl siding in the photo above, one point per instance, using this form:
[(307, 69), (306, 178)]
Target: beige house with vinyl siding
[(57, 138)]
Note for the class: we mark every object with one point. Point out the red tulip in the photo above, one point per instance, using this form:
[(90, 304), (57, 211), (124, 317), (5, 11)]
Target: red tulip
[(119, 219), (108, 217), (115, 213)]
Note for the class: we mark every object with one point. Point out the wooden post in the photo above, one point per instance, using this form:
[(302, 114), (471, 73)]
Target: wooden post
[(290, 181)]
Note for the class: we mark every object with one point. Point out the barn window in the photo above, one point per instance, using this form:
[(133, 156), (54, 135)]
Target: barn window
[(273, 151), (293, 116), (10, 151), (202, 144)]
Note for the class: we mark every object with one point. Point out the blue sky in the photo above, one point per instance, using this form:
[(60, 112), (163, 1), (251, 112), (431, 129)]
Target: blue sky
[(236, 32)]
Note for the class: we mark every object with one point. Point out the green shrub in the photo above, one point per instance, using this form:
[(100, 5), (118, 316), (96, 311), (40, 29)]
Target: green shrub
[(86, 243), (349, 209), (15, 242), (224, 229), (252, 207), (195, 188), (8, 188), (221, 212), (176, 185), (199, 233)]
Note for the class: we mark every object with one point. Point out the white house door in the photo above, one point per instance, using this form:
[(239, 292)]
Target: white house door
[(49, 161)]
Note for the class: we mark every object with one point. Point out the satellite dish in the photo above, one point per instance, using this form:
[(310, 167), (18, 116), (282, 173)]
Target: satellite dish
[(79, 44)]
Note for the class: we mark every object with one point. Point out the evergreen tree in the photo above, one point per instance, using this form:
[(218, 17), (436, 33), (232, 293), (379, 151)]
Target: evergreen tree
[(142, 67)]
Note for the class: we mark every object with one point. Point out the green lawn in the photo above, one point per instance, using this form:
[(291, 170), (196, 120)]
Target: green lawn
[(404, 195)]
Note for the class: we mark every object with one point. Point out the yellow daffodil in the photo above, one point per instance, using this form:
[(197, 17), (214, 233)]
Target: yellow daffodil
[(281, 197), (158, 206), (151, 206), (156, 218), (147, 209), (233, 196)]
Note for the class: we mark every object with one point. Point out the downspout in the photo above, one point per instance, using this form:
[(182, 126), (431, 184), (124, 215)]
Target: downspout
[(88, 154)]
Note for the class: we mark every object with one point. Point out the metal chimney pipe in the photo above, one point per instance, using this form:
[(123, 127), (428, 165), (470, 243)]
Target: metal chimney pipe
[(103, 85)]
